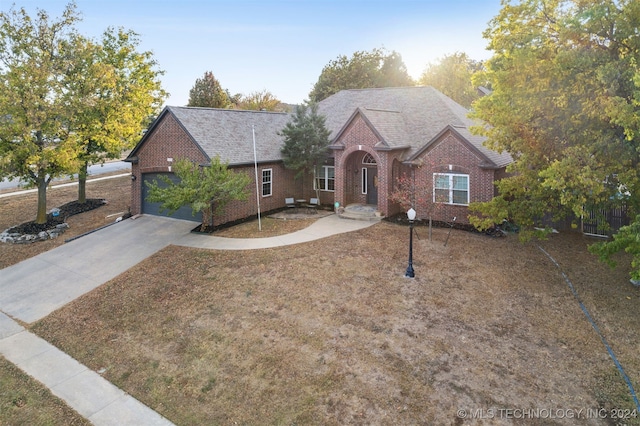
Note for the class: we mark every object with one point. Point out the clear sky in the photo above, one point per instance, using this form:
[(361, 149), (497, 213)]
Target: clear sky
[(281, 45)]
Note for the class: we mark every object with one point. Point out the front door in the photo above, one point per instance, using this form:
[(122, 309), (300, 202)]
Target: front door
[(372, 185)]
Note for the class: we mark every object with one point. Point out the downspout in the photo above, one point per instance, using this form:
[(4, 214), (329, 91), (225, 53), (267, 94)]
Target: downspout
[(255, 166)]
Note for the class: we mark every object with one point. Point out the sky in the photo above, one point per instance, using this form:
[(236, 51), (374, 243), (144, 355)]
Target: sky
[(280, 45)]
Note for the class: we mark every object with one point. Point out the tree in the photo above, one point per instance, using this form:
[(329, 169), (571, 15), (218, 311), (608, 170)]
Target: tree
[(36, 144), (306, 141), (206, 189), (116, 91), (452, 75), (627, 239), (260, 101), (207, 92), (566, 105), (417, 195), (363, 70), (234, 100)]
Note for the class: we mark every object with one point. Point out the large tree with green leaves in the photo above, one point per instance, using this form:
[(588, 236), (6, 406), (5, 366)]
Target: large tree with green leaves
[(36, 144), (566, 105), (115, 90), (207, 189), (363, 70), (260, 101), (306, 140), (207, 92), (453, 76)]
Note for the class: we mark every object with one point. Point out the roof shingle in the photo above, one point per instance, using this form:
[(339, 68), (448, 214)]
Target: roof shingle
[(406, 116), (229, 133), (403, 117)]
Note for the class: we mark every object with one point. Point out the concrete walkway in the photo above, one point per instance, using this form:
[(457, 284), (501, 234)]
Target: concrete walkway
[(34, 288), (321, 228), (82, 389)]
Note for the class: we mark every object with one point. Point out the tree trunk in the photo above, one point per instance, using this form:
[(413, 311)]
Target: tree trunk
[(41, 217), (207, 218), (82, 183), (430, 228)]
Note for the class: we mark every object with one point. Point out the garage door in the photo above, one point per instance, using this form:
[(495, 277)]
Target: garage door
[(155, 209)]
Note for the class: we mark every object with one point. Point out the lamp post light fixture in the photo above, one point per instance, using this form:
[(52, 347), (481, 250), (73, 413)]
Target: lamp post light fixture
[(411, 215)]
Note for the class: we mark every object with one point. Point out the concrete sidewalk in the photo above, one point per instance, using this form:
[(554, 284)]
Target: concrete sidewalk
[(321, 228), (36, 287), (84, 390)]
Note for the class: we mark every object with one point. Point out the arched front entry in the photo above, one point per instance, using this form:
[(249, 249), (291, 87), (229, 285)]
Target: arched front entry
[(360, 184)]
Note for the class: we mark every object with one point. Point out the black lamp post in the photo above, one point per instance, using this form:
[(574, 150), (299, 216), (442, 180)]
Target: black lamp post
[(411, 215)]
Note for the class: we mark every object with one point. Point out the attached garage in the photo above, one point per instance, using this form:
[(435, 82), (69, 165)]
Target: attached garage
[(155, 209), (202, 134)]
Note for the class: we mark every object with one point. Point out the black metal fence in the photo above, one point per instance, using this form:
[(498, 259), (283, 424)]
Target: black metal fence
[(604, 222)]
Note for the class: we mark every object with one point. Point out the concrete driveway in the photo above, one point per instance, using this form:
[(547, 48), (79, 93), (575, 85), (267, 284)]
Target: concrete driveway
[(32, 289)]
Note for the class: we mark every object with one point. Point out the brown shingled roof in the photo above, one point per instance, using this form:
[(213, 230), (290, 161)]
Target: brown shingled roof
[(403, 117), (406, 116), (229, 133)]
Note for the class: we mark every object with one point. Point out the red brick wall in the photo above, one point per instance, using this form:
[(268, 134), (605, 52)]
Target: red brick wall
[(448, 155), (359, 139), (451, 155), (169, 140), (283, 185)]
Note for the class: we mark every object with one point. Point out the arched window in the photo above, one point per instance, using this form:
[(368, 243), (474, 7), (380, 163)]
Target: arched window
[(368, 159)]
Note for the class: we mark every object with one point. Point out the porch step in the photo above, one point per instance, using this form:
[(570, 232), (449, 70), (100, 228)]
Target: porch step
[(360, 212)]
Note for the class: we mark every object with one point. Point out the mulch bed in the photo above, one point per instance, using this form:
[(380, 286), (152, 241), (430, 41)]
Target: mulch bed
[(401, 219), (66, 210)]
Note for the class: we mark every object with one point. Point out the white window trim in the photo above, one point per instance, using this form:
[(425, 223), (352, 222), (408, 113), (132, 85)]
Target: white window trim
[(325, 179), (365, 179), (270, 182), (450, 176), (368, 159)]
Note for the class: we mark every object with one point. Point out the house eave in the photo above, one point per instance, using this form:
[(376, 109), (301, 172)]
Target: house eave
[(246, 163), (391, 148), (487, 166)]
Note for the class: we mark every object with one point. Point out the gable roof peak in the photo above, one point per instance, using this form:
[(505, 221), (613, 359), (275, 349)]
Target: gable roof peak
[(228, 133), (411, 116)]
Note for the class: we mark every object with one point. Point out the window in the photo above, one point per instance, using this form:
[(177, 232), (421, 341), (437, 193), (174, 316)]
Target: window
[(365, 172), (450, 188), (326, 178), (267, 182), (368, 159)]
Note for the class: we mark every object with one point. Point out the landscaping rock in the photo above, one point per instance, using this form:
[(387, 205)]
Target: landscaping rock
[(55, 225)]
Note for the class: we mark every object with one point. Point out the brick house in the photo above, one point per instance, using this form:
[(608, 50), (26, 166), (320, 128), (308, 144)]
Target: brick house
[(201, 134), (377, 135)]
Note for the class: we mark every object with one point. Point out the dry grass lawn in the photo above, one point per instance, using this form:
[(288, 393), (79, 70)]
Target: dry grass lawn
[(330, 332), (24, 401)]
